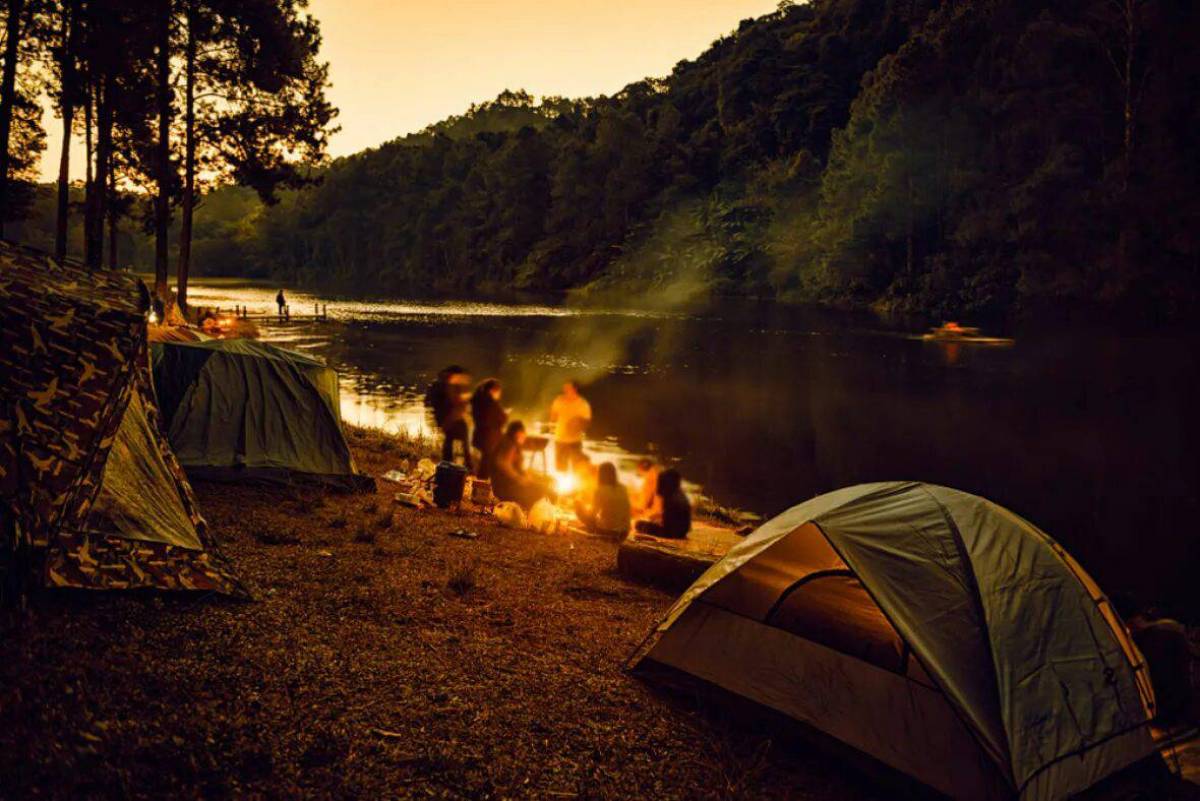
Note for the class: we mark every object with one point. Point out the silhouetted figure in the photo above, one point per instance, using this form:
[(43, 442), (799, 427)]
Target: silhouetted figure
[(507, 470), (447, 398), (571, 414), (1164, 644), (675, 521), (608, 513), (281, 302), (489, 418)]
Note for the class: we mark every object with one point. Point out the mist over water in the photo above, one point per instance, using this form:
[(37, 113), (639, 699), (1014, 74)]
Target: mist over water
[(1092, 436)]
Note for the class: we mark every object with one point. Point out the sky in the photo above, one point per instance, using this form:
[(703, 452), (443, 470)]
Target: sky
[(399, 65)]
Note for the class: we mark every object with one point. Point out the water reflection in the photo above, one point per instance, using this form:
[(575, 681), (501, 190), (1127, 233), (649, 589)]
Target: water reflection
[(1092, 436)]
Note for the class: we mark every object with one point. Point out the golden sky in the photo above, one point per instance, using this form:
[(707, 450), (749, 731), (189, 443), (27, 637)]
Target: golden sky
[(399, 65)]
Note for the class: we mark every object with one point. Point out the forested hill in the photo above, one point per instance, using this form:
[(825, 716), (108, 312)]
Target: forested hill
[(960, 157)]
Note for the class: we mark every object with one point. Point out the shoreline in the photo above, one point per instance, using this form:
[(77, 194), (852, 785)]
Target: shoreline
[(381, 657)]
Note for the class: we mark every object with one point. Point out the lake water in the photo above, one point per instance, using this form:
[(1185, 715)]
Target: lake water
[(1090, 435)]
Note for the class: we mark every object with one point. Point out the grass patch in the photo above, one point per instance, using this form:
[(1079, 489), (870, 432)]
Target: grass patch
[(364, 535), (403, 444), (338, 521), (463, 580), (277, 538)]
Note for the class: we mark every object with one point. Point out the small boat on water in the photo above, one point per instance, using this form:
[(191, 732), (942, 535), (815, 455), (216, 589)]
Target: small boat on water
[(953, 333)]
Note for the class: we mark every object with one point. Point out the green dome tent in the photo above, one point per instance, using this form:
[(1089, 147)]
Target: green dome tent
[(933, 630), (91, 497), (239, 409)]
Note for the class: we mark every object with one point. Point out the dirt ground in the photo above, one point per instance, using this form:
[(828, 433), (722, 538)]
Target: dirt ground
[(382, 657)]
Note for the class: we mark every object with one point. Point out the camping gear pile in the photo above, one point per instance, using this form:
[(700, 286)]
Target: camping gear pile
[(445, 485), (90, 494), (932, 630), (238, 409)]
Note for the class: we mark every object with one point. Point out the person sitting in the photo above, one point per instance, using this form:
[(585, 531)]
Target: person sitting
[(1165, 646), (675, 519), (608, 512), (645, 501), (507, 470), (489, 417)]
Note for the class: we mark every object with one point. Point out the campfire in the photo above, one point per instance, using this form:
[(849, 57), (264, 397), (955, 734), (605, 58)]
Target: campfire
[(565, 483)]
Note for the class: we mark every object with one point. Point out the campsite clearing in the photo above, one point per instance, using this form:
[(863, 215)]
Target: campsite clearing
[(382, 658)]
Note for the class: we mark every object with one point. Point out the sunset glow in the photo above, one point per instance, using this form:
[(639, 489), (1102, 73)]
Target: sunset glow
[(397, 67)]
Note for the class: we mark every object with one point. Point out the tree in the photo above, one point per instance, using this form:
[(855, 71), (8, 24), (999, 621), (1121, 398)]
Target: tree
[(16, 18), (69, 96), (262, 111), (117, 54), (163, 177), (21, 136)]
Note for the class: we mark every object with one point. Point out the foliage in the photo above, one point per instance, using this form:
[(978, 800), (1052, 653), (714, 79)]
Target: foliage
[(958, 158)]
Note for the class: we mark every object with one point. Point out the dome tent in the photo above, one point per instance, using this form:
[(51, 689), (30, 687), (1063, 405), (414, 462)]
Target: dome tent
[(90, 494), (237, 409), (933, 630)]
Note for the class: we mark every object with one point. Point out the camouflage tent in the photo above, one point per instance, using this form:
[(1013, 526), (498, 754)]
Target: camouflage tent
[(90, 494)]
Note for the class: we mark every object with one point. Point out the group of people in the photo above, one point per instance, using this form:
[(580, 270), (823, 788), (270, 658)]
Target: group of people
[(659, 507)]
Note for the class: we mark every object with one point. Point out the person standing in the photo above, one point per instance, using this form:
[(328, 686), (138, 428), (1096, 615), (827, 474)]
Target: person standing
[(571, 414), (281, 302), (447, 398), (489, 418)]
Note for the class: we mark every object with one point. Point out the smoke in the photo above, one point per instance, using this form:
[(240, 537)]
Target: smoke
[(667, 274)]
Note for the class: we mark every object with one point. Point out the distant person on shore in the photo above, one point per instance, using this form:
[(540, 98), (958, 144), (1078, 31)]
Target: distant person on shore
[(675, 519), (489, 418), (608, 513), (507, 470), (571, 414), (281, 302), (645, 502), (447, 398)]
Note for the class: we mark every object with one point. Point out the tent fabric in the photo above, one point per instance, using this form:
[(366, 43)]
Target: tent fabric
[(76, 403), (132, 499), (240, 408), (176, 333), (1011, 631)]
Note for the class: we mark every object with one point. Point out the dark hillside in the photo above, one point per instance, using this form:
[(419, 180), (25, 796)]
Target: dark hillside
[(970, 158)]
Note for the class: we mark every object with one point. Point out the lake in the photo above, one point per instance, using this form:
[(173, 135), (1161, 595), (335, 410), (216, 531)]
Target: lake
[(1091, 435)]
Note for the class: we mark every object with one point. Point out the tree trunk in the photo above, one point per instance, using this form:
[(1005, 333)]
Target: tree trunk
[(189, 163), (89, 184), (67, 106), (113, 216), (8, 91), (104, 126), (162, 207)]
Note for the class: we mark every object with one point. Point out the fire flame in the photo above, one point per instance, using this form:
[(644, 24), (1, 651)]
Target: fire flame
[(565, 483)]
